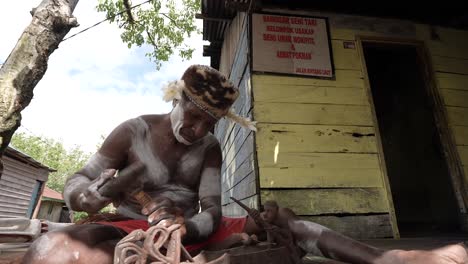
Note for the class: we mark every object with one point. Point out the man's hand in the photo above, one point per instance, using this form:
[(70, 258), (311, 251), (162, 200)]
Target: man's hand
[(90, 200), (162, 212), (178, 219)]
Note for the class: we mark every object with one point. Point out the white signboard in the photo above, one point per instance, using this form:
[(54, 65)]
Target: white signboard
[(291, 45)]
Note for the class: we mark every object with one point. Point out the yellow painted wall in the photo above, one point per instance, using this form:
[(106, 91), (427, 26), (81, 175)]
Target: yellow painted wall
[(450, 62), (317, 133)]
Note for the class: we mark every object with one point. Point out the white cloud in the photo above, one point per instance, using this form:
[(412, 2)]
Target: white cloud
[(94, 82)]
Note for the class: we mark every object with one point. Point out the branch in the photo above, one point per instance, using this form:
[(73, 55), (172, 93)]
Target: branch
[(172, 20), (27, 63), (128, 10)]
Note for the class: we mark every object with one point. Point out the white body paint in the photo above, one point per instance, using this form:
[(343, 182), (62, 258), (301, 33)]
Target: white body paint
[(177, 120), (313, 231), (43, 248), (208, 181), (185, 184), (157, 179)]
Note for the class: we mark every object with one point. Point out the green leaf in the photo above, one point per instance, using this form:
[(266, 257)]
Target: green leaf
[(53, 154), (165, 25)]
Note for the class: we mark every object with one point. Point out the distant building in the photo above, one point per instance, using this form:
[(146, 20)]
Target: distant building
[(21, 184), (52, 207)]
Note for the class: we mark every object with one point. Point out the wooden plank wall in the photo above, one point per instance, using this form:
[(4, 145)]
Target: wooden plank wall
[(230, 43), (237, 143), (317, 151), (316, 144), (326, 167), (450, 62), (16, 187), (51, 214)]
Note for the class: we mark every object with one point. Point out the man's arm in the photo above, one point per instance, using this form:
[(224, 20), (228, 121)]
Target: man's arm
[(80, 190), (206, 222)]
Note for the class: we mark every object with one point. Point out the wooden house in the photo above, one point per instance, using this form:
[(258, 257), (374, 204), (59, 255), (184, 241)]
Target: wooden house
[(362, 112), (52, 207), (21, 184)]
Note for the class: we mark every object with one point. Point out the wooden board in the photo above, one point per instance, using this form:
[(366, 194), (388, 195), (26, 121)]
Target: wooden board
[(226, 130), (234, 210), (10, 198), (20, 194), (457, 116), (241, 60), (329, 201), (450, 65), (280, 93), (317, 114), (243, 189), (463, 152), (235, 144), (465, 170), (450, 42), (455, 49), (347, 161), (311, 138), (240, 149), (345, 59), (461, 135), (343, 78), (22, 183), (452, 81), (223, 131), (455, 97), (311, 177), (356, 226), (340, 33), (245, 168)]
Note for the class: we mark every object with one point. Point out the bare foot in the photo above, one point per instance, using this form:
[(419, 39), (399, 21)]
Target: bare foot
[(451, 254)]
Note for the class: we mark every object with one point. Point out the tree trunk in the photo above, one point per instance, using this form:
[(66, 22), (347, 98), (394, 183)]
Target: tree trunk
[(27, 63)]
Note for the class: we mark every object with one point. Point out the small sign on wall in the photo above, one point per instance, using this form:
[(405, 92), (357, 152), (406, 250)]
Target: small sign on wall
[(291, 45)]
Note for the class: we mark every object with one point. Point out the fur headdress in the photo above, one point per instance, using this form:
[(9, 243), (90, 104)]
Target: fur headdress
[(210, 91)]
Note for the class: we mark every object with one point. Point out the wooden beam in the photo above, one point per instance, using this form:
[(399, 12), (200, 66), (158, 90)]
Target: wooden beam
[(229, 4), (329, 201), (210, 50), (287, 138), (208, 18), (356, 226)]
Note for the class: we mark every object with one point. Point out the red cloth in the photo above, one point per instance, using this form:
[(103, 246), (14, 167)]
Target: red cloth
[(227, 227)]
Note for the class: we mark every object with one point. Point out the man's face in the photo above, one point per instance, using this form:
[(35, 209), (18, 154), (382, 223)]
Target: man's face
[(190, 123), (269, 214)]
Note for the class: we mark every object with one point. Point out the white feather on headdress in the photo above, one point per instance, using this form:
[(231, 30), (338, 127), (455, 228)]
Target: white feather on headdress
[(173, 90), (243, 121)]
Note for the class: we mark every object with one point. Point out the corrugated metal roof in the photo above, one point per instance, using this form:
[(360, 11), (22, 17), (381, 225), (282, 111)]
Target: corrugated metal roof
[(18, 155), (217, 15), (213, 30), (51, 194)]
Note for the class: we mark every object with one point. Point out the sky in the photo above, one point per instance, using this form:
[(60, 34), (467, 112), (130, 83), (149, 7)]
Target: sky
[(94, 81)]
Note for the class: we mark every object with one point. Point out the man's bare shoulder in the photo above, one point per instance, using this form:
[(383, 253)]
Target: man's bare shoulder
[(152, 120), (212, 140)]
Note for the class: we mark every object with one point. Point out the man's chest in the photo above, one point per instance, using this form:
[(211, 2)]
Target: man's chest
[(180, 167)]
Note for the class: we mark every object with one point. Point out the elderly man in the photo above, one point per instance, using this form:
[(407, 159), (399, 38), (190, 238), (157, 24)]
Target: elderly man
[(183, 160), (182, 165)]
